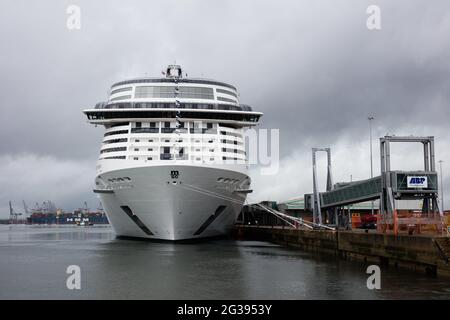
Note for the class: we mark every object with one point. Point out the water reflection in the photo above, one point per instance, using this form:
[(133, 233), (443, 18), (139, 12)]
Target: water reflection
[(33, 261)]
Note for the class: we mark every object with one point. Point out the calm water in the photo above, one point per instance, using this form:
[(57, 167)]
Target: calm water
[(33, 262)]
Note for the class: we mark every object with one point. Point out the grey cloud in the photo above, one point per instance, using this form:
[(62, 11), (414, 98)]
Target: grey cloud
[(312, 67)]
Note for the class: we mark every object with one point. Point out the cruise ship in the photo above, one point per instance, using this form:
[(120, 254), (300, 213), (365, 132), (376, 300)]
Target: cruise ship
[(172, 163)]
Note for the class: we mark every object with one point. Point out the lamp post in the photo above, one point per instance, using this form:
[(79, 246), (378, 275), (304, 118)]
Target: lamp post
[(370, 118), (350, 206), (442, 187)]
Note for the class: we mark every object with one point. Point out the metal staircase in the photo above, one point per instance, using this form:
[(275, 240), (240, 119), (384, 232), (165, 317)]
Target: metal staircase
[(443, 245), (292, 221)]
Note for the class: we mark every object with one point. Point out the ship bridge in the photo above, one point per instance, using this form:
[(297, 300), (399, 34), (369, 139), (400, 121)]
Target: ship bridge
[(173, 96)]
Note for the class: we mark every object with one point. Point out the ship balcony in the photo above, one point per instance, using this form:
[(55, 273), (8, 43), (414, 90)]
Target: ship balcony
[(202, 131), (168, 103), (144, 130), (173, 130), (170, 156)]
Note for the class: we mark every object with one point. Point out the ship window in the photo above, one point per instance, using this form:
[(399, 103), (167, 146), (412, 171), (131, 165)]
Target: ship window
[(171, 92), (114, 149), (226, 99), (209, 125), (136, 149), (135, 158), (137, 140), (152, 124), (166, 124), (227, 92), (150, 149), (120, 90), (150, 140), (149, 158), (166, 149), (115, 157), (229, 158), (121, 98), (138, 124), (119, 124), (115, 132), (226, 125), (115, 140)]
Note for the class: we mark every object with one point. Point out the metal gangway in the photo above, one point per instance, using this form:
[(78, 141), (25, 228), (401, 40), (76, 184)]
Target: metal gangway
[(388, 187), (294, 222)]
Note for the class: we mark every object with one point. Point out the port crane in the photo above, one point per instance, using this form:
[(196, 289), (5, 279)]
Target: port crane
[(13, 216), (25, 208), (100, 207)]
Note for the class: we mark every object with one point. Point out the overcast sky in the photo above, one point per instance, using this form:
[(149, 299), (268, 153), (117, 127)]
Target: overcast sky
[(312, 67)]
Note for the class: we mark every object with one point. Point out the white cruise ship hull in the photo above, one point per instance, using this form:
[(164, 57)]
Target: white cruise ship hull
[(150, 203), (172, 162)]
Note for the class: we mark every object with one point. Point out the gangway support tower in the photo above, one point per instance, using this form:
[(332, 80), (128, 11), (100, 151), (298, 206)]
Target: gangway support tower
[(390, 186), (317, 209), (411, 185)]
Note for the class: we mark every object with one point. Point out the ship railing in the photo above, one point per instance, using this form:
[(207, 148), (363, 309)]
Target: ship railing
[(202, 131), (181, 157), (170, 156), (166, 156), (166, 105), (168, 130)]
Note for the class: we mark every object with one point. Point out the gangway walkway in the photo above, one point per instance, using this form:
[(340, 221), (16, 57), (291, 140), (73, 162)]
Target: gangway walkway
[(358, 191)]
